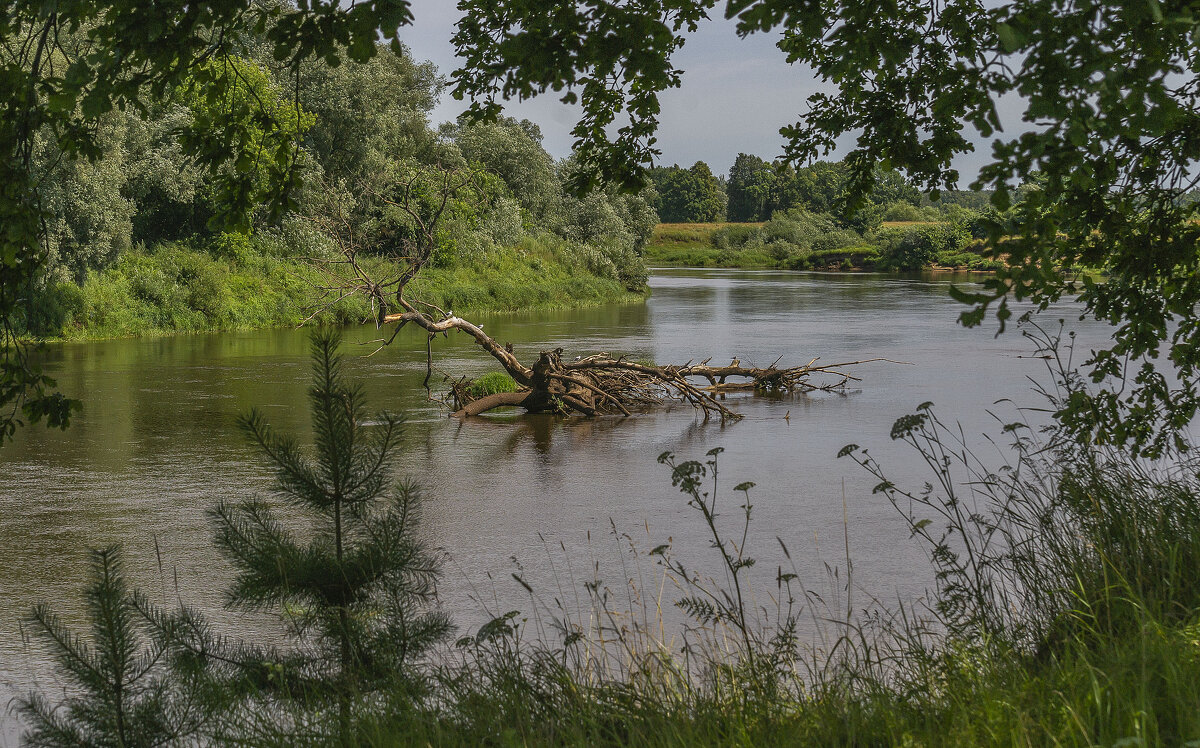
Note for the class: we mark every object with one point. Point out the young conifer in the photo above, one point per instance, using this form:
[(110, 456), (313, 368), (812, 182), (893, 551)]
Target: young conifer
[(120, 691), (356, 586)]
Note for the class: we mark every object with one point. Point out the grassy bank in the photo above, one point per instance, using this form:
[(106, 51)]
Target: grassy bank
[(180, 288), (795, 242)]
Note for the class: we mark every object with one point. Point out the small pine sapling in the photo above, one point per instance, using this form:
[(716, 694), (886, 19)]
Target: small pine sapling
[(121, 691), (357, 587)]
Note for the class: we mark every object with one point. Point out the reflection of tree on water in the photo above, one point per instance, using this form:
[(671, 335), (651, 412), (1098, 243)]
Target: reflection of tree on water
[(538, 429), (517, 429)]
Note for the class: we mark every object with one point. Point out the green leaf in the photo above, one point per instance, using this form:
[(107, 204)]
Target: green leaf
[(1010, 40)]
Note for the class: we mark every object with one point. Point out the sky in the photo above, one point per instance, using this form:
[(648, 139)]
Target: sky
[(735, 96)]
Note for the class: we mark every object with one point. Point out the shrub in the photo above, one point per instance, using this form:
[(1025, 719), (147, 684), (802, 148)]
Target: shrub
[(915, 247), (836, 240), (733, 236), (490, 384), (231, 246), (902, 211)]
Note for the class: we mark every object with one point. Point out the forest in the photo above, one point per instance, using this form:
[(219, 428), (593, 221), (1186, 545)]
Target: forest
[(248, 164)]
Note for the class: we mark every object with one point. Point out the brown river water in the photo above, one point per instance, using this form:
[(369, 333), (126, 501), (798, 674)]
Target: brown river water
[(155, 447)]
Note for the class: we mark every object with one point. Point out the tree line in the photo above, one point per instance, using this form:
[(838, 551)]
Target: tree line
[(756, 189)]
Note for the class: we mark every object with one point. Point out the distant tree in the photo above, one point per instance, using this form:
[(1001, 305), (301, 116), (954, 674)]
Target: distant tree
[(235, 94), (688, 195), (357, 589), (89, 218), (819, 187), (890, 186), (977, 200), (750, 187), (164, 185), (365, 115)]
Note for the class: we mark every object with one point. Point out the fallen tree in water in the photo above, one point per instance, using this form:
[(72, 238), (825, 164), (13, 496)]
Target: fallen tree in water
[(599, 384)]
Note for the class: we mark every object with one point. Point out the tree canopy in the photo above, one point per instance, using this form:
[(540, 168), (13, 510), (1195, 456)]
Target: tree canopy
[(1109, 124), (757, 189), (688, 195)]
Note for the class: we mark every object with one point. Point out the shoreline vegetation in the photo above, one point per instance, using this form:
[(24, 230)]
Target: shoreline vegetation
[(179, 288), (895, 246), (145, 239)]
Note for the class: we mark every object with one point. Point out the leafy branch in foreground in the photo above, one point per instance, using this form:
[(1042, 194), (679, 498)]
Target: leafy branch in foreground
[(1105, 151)]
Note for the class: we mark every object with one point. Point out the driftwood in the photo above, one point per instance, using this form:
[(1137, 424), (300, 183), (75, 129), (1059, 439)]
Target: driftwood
[(601, 384), (596, 385)]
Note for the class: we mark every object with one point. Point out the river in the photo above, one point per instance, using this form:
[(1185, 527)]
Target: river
[(155, 447)]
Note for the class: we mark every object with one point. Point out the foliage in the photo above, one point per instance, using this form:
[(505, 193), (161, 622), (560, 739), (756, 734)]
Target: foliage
[(235, 283), (757, 190), (611, 224), (513, 151), (235, 99), (688, 195), (519, 51), (491, 383), (750, 187), (906, 212), (365, 115), (915, 247), (166, 188), (89, 221)]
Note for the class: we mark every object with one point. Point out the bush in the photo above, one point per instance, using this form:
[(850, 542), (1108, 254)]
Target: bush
[(491, 383), (798, 227), (734, 236), (49, 308), (915, 247), (836, 240), (231, 246), (902, 211)]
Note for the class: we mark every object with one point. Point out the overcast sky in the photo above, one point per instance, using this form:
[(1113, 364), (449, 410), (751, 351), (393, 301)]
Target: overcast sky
[(736, 94)]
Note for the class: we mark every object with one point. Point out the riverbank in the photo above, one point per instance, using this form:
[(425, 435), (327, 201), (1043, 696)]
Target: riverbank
[(787, 244), (179, 288)]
